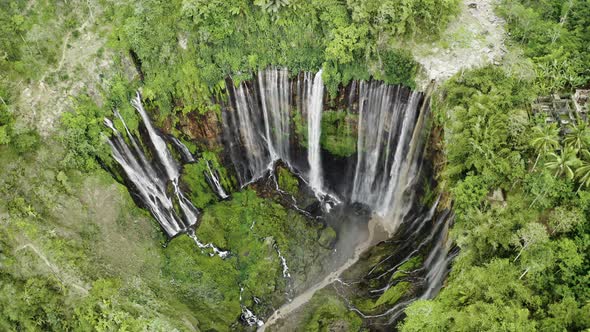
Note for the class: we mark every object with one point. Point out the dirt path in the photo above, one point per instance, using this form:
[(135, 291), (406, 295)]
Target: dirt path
[(475, 38)]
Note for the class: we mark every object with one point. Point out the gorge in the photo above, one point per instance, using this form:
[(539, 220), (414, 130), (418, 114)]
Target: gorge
[(276, 118), (294, 165)]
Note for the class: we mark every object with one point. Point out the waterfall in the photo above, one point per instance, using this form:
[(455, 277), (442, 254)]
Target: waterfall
[(247, 315), (438, 261), (213, 180), (275, 99), (257, 127), (257, 133), (388, 135), (149, 183), (183, 150), (286, 273), (158, 142), (216, 251), (314, 127), (245, 129)]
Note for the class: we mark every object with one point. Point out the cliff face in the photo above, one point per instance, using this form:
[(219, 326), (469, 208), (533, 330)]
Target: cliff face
[(339, 120), (205, 130), (269, 114)]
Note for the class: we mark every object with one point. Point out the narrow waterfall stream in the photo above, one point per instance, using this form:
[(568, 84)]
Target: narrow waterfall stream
[(213, 180), (149, 178), (275, 99), (314, 127), (150, 185), (184, 152)]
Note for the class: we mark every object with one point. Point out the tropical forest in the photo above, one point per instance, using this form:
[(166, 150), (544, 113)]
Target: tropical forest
[(295, 165)]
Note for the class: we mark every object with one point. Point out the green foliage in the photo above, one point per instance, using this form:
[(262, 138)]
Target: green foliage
[(328, 238), (6, 121), (404, 18), (578, 136), (287, 181), (514, 253), (399, 67), (345, 42), (339, 134), (544, 139), (22, 140), (249, 227), (107, 308), (271, 6), (412, 264), (563, 163), (300, 125), (200, 193), (478, 104), (47, 296), (393, 294), (492, 293), (554, 34), (193, 175), (208, 285), (564, 219), (27, 141), (326, 312), (583, 170), (188, 48), (31, 37), (83, 136)]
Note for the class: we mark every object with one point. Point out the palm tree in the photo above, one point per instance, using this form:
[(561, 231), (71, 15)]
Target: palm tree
[(544, 139), (564, 162), (578, 136), (583, 170)]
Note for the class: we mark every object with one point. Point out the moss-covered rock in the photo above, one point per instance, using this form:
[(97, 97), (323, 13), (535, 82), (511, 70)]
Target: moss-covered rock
[(393, 294), (193, 176), (252, 229), (339, 133), (327, 237), (287, 181), (412, 264), (300, 126), (327, 312), (208, 285)]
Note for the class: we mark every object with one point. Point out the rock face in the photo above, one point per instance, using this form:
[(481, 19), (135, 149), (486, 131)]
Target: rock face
[(202, 129), (475, 38)]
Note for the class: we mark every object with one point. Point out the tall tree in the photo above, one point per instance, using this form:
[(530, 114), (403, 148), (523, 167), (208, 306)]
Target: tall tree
[(544, 139), (563, 163), (583, 170), (578, 136)]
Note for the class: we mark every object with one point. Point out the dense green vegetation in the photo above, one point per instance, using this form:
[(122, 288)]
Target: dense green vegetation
[(339, 132), (69, 264), (193, 175), (555, 36), (77, 254), (287, 181), (188, 48), (524, 261)]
